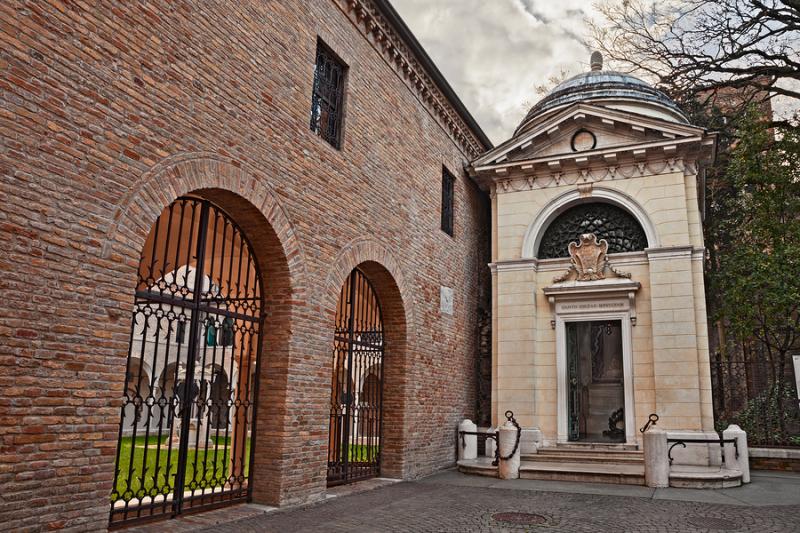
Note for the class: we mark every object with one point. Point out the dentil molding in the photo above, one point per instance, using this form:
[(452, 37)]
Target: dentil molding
[(593, 175)]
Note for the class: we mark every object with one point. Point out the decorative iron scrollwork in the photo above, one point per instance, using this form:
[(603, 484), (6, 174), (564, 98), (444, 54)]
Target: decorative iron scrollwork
[(617, 227), (186, 419), (614, 431)]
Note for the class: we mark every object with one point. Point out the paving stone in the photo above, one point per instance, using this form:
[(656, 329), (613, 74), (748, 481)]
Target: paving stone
[(442, 505)]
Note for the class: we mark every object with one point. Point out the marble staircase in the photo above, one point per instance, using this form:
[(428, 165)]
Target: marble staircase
[(604, 463), (589, 463)]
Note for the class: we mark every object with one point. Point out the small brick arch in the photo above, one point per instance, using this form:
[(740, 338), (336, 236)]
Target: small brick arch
[(355, 253), (397, 310)]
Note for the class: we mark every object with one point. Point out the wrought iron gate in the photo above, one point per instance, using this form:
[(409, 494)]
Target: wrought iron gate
[(187, 420), (354, 445), (573, 383)]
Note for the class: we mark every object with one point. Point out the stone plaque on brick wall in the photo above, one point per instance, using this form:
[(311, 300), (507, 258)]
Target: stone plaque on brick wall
[(446, 301)]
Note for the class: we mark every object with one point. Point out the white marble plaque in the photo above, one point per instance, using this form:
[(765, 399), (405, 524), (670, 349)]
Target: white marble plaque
[(796, 361), (446, 300)]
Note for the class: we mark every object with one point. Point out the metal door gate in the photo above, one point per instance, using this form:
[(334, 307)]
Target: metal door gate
[(354, 442), (188, 413)]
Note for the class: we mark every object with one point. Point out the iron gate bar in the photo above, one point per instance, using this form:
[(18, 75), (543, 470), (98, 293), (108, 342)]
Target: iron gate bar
[(233, 319), (355, 417), (180, 476)]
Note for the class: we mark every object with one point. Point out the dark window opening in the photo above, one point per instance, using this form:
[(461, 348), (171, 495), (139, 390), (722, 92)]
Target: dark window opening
[(448, 191), (328, 96)]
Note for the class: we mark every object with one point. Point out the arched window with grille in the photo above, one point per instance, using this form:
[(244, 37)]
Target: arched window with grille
[(607, 221)]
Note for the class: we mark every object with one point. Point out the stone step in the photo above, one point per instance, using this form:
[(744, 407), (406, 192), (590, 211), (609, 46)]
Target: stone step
[(481, 466), (598, 446), (576, 454), (611, 452), (577, 457), (704, 477), (626, 474)]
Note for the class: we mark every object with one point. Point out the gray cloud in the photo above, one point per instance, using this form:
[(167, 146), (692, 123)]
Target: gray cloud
[(494, 53)]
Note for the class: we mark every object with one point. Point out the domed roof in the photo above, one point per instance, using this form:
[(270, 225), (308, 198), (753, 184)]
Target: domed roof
[(610, 89)]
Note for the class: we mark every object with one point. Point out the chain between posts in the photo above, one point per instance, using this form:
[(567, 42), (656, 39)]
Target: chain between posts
[(497, 457), (651, 421)]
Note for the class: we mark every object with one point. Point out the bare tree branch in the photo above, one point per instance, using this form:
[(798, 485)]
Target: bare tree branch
[(692, 47)]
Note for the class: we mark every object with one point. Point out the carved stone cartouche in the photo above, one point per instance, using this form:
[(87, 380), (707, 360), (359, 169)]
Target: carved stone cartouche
[(588, 260)]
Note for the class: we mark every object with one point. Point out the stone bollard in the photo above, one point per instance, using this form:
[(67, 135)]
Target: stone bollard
[(509, 468), (530, 441), (656, 460), (491, 444), (743, 462), (468, 444)]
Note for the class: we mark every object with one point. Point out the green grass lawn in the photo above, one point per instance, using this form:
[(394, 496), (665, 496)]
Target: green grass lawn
[(362, 452), (209, 465)]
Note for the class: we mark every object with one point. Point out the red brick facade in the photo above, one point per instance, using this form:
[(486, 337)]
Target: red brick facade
[(108, 112)]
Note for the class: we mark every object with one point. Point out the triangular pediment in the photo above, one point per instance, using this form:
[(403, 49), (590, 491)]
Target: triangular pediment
[(587, 129)]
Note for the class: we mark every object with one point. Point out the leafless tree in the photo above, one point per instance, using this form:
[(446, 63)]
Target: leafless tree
[(699, 49)]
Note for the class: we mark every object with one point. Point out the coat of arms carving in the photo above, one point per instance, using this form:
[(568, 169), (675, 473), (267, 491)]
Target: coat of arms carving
[(588, 260)]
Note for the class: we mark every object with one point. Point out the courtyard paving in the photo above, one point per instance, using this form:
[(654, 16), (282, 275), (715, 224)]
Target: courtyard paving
[(453, 502)]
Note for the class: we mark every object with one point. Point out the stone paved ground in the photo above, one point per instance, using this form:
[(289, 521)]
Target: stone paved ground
[(451, 502)]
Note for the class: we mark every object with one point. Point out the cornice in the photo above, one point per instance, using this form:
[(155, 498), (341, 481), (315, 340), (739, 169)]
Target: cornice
[(675, 252), (561, 263), (368, 16), (580, 111), (513, 265), (622, 171)]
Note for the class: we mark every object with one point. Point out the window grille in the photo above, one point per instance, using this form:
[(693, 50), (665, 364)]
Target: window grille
[(622, 231), (328, 96), (448, 190)]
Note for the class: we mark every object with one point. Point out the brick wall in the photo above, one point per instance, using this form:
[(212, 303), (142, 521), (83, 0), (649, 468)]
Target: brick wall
[(108, 112)]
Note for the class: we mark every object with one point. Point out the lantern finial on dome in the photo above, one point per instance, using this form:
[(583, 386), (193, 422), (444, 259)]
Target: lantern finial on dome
[(596, 61)]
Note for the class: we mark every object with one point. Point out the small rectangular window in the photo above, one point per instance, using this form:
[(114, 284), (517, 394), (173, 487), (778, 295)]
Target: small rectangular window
[(328, 96), (448, 190)]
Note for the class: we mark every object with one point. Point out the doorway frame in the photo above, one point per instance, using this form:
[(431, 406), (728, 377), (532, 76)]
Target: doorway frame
[(581, 315)]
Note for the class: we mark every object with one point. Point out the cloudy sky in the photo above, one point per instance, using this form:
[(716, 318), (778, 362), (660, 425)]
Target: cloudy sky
[(496, 52)]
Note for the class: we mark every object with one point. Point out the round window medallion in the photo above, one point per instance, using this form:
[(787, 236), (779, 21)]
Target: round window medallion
[(583, 140)]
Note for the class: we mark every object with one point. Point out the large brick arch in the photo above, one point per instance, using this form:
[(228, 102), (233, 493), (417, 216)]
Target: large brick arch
[(396, 298), (245, 195), (188, 172)]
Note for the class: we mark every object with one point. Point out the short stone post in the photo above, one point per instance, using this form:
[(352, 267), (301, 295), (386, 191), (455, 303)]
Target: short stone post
[(656, 460), (742, 463), (467, 444), (491, 444), (508, 444), (530, 441)]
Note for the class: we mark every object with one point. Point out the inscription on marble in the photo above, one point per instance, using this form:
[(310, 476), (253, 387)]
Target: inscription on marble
[(592, 306)]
